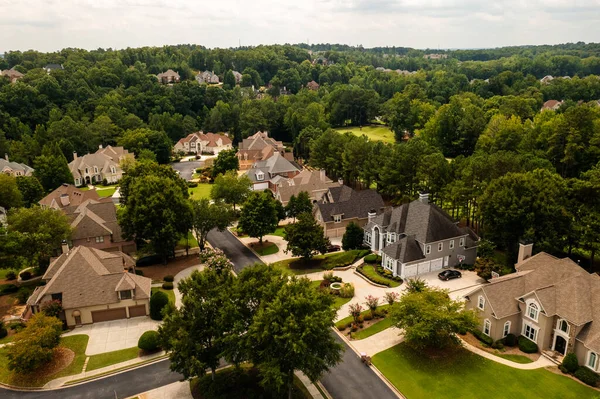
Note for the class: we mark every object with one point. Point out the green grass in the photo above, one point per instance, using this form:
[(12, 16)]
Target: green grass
[(466, 375), (3, 273), (278, 231), (266, 249), (110, 358), (108, 192), (7, 339), (191, 241), (373, 132), (349, 319), (202, 191), (515, 358), (320, 262), (371, 274), (373, 329), (169, 293), (338, 301)]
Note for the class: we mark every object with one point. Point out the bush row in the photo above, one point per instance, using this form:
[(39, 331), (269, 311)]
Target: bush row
[(527, 346), (570, 365), (376, 279), (387, 274)]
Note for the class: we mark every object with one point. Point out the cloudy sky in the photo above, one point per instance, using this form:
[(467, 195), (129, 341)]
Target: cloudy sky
[(48, 25)]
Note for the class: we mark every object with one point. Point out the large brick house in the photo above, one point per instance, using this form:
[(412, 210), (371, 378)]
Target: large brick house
[(200, 142), (268, 173), (67, 195), (260, 147), (418, 238), (313, 182), (550, 301)]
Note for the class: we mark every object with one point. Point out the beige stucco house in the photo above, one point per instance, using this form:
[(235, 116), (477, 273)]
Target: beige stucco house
[(14, 168), (104, 164), (200, 142), (314, 182), (93, 286), (550, 301)]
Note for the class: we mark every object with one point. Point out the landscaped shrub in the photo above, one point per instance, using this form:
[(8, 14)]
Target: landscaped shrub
[(149, 341), (52, 308), (342, 327), (527, 346), (169, 279), (374, 278), (11, 275), (510, 340), (354, 327), (368, 317), (8, 289), (148, 260), (328, 276), (570, 363), (192, 184), (498, 345), (347, 290), (336, 279), (587, 376), (486, 339), (391, 297), (16, 326), (26, 275), (372, 258), (3, 331), (158, 301), (167, 286)]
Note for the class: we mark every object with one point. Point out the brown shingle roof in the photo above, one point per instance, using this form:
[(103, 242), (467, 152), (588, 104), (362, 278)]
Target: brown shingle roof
[(67, 195)]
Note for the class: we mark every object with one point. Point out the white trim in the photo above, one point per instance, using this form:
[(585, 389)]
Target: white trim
[(461, 242), (587, 360), (337, 218), (451, 245), (427, 249), (506, 331), (487, 325), (532, 306), (440, 246), (533, 329), (481, 302)]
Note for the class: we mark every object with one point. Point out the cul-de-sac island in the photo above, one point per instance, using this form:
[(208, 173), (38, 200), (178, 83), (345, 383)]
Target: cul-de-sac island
[(303, 220)]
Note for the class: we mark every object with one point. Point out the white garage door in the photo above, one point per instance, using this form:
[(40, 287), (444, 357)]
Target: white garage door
[(437, 264), (424, 267), (410, 271), (261, 186)]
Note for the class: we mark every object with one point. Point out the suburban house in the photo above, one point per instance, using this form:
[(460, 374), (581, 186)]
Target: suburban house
[(546, 79), (418, 238), (200, 142), (14, 168), (67, 195), (267, 174), (551, 105), (342, 205), (52, 67), (314, 182), (207, 77), (93, 286), (435, 56), (312, 85), (94, 224), (102, 165), (169, 76), (238, 77), (260, 147), (551, 301), (12, 74), (3, 215)]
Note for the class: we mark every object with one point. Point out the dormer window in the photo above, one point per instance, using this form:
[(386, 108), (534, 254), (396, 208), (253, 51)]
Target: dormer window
[(125, 294), (440, 246), (461, 242), (533, 311), (113, 169), (451, 244), (337, 218), (427, 249), (260, 176)]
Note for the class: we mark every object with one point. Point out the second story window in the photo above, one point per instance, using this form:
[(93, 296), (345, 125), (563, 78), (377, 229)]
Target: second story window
[(461, 242), (451, 244), (427, 249), (440, 246), (337, 218), (125, 294), (100, 239), (533, 311), (481, 302)]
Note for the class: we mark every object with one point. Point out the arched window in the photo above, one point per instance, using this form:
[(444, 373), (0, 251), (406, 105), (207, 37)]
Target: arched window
[(487, 325), (592, 360), (533, 311), (506, 329), (563, 326)]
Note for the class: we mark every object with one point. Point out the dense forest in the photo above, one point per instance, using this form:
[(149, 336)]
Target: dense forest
[(468, 125)]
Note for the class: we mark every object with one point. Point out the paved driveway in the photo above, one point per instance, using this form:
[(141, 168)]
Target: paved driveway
[(237, 252), (186, 169), (458, 287), (110, 336)]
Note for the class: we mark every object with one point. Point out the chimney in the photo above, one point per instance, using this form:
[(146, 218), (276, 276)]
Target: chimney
[(372, 213), (6, 157), (65, 247), (525, 251), (64, 199), (74, 155), (99, 146), (322, 175), (424, 198)]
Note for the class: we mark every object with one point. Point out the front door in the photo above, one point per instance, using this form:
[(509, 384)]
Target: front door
[(560, 345)]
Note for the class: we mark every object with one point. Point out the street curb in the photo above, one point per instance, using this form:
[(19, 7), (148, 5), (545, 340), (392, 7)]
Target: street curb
[(372, 367), (250, 248)]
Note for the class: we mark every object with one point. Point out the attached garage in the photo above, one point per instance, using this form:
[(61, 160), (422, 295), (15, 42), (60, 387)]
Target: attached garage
[(108, 315), (137, 311), (260, 186), (410, 271), (437, 264), (423, 267)]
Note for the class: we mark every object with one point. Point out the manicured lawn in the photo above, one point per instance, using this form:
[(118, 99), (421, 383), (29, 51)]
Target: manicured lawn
[(338, 301), (77, 343), (169, 293), (110, 358), (202, 191), (515, 358), (267, 248), (372, 274), (3, 273), (466, 375), (373, 329), (108, 192), (191, 241), (278, 231), (320, 262), (373, 132)]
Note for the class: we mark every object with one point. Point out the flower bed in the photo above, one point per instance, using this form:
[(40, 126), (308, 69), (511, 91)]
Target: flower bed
[(370, 272)]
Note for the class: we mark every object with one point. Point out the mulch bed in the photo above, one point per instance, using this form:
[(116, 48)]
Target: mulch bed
[(471, 339), (174, 266)]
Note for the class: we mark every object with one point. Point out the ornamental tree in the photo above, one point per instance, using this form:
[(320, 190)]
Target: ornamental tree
[(305, 237)]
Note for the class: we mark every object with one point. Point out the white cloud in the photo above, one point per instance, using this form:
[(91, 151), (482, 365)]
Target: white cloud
[(50, 24)]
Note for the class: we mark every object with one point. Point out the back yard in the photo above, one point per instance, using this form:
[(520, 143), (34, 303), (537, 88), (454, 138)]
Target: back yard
[(373, 132)]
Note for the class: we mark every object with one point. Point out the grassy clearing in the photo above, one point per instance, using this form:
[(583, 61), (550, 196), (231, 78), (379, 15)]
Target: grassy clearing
[(373, 132), (320, 262), (202, 191), (190, 240), (515, 358), (267, 248), (107, 192), (169, 293), (371, 274), (278, 231), (110, 358), (373, 329), (465, 375)]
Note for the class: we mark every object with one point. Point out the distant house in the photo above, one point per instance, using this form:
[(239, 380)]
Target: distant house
[(67, 195), (170, 76), (53, 67), (207, 77), (546, 79), (3, 215), (312, 85), (314, 182), (435, 56), (104, 164), (14, 168), (259, 147), (550, 301), (551, 105), (342, 205), (92, 286), (12, 74), (418, 238), (200, 142), (268, 173), (238, 77)]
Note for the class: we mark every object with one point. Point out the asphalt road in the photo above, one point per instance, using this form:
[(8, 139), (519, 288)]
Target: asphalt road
[(117, 386), (239, 254), (186, 169)]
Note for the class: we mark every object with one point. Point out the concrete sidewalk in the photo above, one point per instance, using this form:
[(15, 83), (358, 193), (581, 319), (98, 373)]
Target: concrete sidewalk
[(379, 342), (179, 390), (538, 364)]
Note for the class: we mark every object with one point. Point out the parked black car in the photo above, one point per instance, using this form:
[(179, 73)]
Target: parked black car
[(449, 275), (333, 248)]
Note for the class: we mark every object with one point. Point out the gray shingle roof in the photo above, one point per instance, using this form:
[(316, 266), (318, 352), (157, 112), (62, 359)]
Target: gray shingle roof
[(15, 166), (405, 249), (348, 203)]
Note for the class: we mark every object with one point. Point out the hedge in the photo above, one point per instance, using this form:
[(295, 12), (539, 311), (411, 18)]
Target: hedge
[(158, 301), (486, 339), (373, 258), (149, 341), (169, 279), (26, 275), (167, 286), (570, 363), (510, 340), (8, 289), (11, 275), (587, 376), (527, 346)]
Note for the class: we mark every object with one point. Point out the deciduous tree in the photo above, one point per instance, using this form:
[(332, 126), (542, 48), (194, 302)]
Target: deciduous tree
[(207, 216), (353, 237), (231, 188), (259, 215), (305, 237), (225, 161)]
